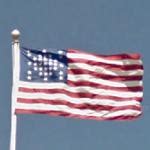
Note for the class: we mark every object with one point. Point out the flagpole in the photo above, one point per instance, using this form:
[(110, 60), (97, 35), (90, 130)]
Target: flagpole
[(15, 56)]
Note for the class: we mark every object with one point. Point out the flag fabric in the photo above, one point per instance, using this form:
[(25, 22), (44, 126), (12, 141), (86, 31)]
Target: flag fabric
[(77, 84)]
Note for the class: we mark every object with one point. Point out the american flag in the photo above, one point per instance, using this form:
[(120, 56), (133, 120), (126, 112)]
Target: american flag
[(77, 84)]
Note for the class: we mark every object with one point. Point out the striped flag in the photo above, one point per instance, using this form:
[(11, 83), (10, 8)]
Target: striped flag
[(77, 84)]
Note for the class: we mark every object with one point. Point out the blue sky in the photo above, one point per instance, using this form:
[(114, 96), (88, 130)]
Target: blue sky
[(101, 26)]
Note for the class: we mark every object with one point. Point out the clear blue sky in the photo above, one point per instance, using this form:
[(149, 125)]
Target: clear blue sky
[(102, 26)]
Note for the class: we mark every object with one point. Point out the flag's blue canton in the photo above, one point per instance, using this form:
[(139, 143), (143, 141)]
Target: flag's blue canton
[(47, 65)]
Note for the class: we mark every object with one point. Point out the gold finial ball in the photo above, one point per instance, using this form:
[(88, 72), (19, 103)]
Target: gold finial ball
[(15, 34)]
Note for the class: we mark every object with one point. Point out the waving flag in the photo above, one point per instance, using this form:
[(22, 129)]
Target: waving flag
[(76, 84)]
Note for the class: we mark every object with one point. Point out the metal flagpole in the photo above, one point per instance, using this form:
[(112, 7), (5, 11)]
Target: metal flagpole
[(15, 61)]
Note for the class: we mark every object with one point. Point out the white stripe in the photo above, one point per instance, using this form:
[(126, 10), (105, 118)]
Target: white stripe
[(92, 79), (86, 112), (71, 77), (103, 70), (39, 85), (51, 97), (86, 89), (98, 59)]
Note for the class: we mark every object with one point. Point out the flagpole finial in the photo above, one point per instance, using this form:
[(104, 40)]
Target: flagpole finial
[(15, 35)]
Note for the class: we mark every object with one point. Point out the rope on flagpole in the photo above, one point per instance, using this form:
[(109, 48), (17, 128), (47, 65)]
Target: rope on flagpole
[(15, 60)]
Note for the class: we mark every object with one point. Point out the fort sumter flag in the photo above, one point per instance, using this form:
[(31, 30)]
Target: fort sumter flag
[(78, 84)]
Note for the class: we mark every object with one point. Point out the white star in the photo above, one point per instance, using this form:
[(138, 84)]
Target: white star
[(39, 57), (45, 78), (61, 77), (44, 50), (29, 72), (60, 52), (35, 68), (29, 53), (55, 61), (50, 73), (50, 68), (55, 68), (40, 68), (45, 59), (61, 72), (45, 74), (29, 77), (29, 63), (35, 58), (50, 63), (61, 65), (55, 64), (45, 63), (50, 60), (40, 73), (34, 64)]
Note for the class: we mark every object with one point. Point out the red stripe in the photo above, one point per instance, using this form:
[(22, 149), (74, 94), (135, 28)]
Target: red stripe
[(78, 106), (124, 67), (104, 76), (100, 86), (77, 95), (70, 115), (134, 56)]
